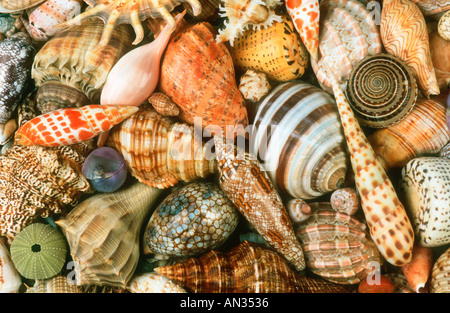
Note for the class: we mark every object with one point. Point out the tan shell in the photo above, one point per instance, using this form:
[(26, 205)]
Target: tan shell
[(163, 104), (444, 26), (153, 283), (9, 6), (56, 284), (440, 274), (400, 282), (254, 85), (431, 7), (440, 56)]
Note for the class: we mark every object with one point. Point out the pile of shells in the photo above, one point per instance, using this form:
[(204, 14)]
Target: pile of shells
[(237, 146)]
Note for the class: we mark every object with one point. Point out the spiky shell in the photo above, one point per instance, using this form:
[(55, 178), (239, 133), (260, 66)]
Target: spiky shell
[(247, 268), (190, 221), (39, 251), (426, 186), (110, 223), (9, 6), (440, 274), (153, 283), (56, 284), (10, 280)]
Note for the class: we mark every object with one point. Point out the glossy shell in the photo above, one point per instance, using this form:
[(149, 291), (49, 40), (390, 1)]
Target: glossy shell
[(381, 90), (440, 275), (53, 95), (298, 135), (440, 56), (10, 280), (39, 251), (276, 50), (298, 210), (444, 26), (426, 185), (56, 284), (153, 283), (190, 221), (163, 104)]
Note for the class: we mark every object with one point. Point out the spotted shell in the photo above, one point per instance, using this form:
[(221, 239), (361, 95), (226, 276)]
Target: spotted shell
[(10, 280), (276, 50), (153, 283), (9, 6), (298, 136), (400, 282), (337, 246), (426, 186), (440, 274), (56, 284), (444, 25)]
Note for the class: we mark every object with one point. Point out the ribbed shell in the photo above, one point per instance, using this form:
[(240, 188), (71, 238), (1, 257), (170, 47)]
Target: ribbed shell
[(337, 246), (210, 8), (153, 283), (10, 280), (163, 104), (276, 50), (53, 95), (160, 152), (440, 274), (431, 7), (247, 268), (103, 234), (15, 5), (254, 85), (381, 90), (426, 186), (56, 284), (299, 138)]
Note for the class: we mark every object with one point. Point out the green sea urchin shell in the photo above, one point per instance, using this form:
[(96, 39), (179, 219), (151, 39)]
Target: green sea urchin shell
[(39, 251)]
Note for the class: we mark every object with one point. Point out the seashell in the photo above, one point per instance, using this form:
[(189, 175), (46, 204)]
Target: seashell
[(276, 51), (298, 210), (53, 95), (431, 7), (110, 223), (444, 26), (16, 57), (190, 221), (440, 275), (27, 109), (105, 169), (306, 16), (39, 251), (381, 90), (336, 246), (390, 227), (71, 125), (44, 19), (70, 58), (37, 181), (440, 56), (7, 25), (445, 152), (56, 284), (9, 6), (422, 132), (7, 131), (248, 186), (345, 200), (298, 135), (247, 268), (10, 280), (163, 104), (210, 10), (130, 12), (245, 14), (160, 152), (426, 186), (419, 269), (404, 34), (198, 75), (401, 285), (254, 85), (153, 283), (348, 33), (385, 285)]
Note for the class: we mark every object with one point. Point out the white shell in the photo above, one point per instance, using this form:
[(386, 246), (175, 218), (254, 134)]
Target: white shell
[(153, 283), (10, 280)]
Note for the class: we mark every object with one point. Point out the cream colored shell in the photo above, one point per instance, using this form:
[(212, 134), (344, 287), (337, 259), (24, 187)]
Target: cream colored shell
[(444, 26)]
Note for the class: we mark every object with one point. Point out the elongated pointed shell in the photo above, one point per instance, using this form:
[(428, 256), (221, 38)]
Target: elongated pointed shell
[(56, 284), (247, 268), (440, 274), (10, 280), (110, 223), (298, 135)]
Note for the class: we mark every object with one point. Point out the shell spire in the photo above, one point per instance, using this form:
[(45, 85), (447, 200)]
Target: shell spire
[(386, 217)]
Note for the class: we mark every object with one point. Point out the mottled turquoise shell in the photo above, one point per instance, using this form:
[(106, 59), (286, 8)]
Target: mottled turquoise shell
[(190, 221)]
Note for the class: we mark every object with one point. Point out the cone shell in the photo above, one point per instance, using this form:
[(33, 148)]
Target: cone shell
[(337, 246), (298, 135), (198, 75), (56, 284), (247, 268), (440, 275), (111, 223), (153, 283), (426, 185), (160, 152), (10, 280), (276, 50)]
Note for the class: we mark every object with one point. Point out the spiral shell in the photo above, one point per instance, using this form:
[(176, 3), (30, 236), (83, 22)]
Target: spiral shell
[(56, 284), (254, 85), (400, 282), (298, 210), (10, 280), (53, 95), (163, 104), (381, 90), (298, 135), (345, 200), (9, 6), (426, 185), (153, 283), (440, 274), (444, 26)]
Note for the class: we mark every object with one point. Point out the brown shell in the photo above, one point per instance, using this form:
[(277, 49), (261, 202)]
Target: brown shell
[(400, 282), (431, 7), (163, 105), (440, 56), (53, 95), (440, 274), (247, 268)]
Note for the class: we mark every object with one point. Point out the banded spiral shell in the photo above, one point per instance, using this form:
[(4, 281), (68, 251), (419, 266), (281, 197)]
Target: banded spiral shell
[(190, 221), (381, 90), (431, 7), (426, 186), (10, 280), (337, 246), (298, 135), (440, 274)]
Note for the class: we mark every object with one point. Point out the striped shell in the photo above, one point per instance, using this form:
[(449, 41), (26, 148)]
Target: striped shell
[(422, 132), (110, 223), (299, 138), (298, 210), (210, 10), (163, 105), (53, 95), (381, 90), (247, 268), (39, 251), (190, 221), (348, 33), (160, 152), (153, 283), (10, 280), (337, 246), (276, 50), (440, 274), (444, 26), (56, 284), (431, 7), (9, 6), (426, 186)]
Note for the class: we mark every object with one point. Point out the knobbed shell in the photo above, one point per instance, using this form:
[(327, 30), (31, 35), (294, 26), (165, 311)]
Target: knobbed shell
[(298, 135), (190, 221), (440, 274), (39, 251), (10, 280), (337, 246), (276, 51), (160, 152), (110, 223), (56, 284), (254, 85), (153, 283), (426, 186), (444, 26), (381, 90), (247, 268)]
